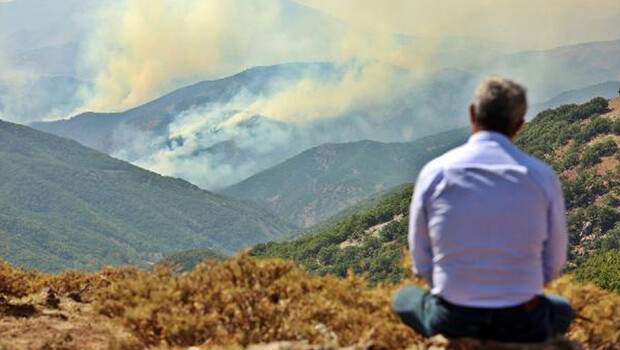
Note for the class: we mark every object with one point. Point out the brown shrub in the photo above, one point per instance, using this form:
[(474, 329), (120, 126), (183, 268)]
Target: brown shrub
[(15, 282), (597, 325), (245, 301)]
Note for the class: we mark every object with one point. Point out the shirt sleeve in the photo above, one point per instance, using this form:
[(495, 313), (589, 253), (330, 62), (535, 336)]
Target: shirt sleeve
[(419, 239), (556, 246)]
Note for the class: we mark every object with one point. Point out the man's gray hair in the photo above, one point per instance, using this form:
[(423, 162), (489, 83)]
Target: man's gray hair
[(499, 103)]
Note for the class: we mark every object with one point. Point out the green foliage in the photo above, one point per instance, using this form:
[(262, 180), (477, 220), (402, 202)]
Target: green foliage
[(64, 206), (602, 269), (355, 242), (574, 139), (553, 128), (592, 154)]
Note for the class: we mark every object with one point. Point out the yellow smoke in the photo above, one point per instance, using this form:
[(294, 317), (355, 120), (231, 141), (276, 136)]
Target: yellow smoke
[(144, 48), (311, 99), (141, 49), (532, 24)]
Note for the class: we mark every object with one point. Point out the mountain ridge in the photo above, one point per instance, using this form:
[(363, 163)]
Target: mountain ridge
[(321, 181), (67, 206)]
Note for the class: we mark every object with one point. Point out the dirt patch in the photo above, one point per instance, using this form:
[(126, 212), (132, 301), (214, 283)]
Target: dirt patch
[(606, 165), (373, 231), (62, 324), (560, 152), (614, 105)]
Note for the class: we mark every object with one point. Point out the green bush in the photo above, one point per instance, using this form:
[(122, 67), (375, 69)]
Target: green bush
[(593, 153), (602, 269)]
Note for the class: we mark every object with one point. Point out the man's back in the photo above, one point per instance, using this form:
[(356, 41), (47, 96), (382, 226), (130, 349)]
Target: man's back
[(487, 230), (487, 224)]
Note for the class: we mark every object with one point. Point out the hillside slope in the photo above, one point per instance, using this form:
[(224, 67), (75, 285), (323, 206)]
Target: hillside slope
[(579, 141), (324, 180), (66, 206)]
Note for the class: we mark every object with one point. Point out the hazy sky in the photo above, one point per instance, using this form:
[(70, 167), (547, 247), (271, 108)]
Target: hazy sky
[(526, 24)]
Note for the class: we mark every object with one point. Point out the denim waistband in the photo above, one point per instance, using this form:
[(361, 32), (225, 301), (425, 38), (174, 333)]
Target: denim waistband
[(527, 306)]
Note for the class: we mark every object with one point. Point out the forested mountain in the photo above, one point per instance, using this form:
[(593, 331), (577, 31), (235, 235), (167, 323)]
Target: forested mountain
[(579, 141), (66, 206), (324, 180)]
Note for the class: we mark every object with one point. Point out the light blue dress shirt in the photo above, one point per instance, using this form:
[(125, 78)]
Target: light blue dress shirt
[(487, 224)]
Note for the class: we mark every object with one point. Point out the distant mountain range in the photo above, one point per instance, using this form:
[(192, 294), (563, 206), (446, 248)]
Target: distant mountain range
[(316, 184), (66, 206), (548, 73), (609, 89)]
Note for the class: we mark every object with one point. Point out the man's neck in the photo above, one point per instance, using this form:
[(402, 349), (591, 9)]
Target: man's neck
[(475, 130)]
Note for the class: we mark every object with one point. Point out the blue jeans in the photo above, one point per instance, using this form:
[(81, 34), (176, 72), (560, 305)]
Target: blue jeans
[(429, 315)]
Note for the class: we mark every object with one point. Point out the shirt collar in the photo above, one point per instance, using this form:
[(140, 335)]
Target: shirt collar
[(481, 136)]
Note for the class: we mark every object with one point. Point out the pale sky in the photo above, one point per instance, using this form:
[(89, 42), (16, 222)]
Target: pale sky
[(526, 24)]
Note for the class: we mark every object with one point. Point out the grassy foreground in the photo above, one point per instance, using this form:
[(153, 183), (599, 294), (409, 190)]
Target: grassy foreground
[(242, 301)]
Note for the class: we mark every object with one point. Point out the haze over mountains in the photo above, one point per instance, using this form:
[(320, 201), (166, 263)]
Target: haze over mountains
[(40, 49), (216, 133), (314, 185), (254, 111)]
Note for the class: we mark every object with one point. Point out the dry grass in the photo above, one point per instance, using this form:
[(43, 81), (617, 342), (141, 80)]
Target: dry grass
[(18, 283), (245, 301)]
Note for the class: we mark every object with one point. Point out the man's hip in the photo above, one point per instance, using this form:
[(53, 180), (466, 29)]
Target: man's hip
[(534, 321)]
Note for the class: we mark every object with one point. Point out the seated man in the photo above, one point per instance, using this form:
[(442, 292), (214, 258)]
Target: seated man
[(488, 232)]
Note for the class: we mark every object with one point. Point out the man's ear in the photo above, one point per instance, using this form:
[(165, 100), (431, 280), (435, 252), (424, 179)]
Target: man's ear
[(517, 127), (472, 114)]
